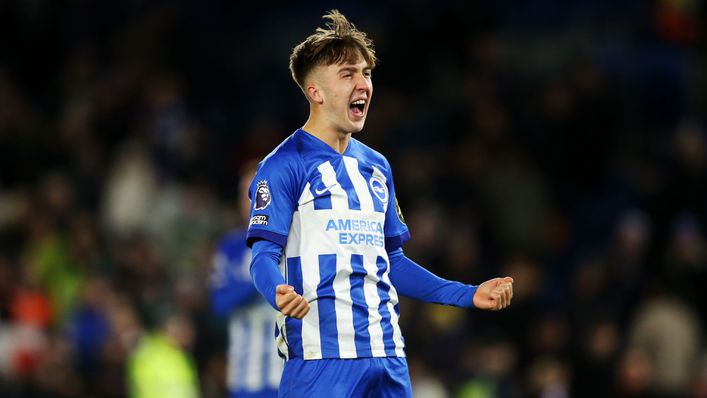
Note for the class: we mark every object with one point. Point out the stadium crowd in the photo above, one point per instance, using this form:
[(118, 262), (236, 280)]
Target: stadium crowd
[(562, 143)]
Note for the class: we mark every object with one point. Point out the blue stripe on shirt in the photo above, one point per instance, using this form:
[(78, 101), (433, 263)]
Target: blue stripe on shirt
[(360, 308), (326, 307), (293, 325), (386, 324), (342, 176)]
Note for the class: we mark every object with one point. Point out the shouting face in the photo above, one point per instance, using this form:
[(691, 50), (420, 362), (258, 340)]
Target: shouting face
[(344, 91)]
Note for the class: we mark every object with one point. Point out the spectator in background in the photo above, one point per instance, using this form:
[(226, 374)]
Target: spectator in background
[(254, 367), (666, 336), (686, 260), (160, 365)]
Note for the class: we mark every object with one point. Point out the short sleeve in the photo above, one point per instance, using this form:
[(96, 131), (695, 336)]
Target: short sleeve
[(273, 202), (396, 231)]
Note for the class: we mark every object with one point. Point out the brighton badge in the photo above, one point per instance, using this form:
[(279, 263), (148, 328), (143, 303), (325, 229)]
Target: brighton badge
[(379, 189)]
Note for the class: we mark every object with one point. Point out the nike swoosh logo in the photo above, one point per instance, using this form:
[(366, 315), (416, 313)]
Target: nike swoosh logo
[(319, 192)]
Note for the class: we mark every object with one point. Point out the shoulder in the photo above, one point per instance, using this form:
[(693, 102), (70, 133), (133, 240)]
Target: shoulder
[(287, 152), (285, 160), (281, 171)]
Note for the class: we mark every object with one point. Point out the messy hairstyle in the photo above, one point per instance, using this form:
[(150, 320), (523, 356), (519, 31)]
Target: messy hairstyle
[(339, 42)]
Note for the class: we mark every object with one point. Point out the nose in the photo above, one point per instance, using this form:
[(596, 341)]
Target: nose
[(362, 83)]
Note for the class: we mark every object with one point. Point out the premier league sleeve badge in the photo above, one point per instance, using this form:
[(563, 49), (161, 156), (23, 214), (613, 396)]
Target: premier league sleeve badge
[(262, 195)]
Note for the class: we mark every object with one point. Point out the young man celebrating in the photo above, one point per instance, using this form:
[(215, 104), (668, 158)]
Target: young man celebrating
[(327, 236)]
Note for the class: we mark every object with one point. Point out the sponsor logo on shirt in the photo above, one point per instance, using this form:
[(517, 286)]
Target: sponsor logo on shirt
[(321, 191), (259, 219), (357, 232), (262, 195)]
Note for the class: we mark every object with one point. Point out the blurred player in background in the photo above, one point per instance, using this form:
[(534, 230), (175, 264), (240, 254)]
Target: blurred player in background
[(327, 236), (254, 367)]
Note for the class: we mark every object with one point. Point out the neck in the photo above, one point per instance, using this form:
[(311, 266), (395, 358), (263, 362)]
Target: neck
[(337, 140)]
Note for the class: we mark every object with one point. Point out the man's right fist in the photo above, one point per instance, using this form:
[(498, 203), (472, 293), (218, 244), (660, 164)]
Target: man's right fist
[(290, 303)]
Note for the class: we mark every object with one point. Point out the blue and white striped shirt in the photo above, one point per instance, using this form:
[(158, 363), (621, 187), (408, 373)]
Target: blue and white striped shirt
[(253, 363), (336, 216)]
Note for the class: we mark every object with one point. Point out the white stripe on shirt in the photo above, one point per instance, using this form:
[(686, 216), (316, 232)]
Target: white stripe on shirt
[(359, 183), (343, 307), (339, 198), (375, 330)]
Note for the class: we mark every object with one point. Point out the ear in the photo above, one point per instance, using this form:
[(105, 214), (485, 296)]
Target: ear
[(314, 94)]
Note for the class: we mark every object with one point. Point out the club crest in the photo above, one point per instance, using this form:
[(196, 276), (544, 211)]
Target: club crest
[(262, 195), (379, 189)]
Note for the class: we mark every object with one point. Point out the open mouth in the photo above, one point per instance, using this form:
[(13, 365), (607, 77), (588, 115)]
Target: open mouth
[(358, 107)]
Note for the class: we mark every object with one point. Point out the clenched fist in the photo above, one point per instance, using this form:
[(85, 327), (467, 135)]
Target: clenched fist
[(494, 294), (290, 303)]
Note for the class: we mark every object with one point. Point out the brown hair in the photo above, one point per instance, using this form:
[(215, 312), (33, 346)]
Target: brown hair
[(339, 42)]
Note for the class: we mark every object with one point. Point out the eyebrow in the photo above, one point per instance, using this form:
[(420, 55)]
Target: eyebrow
[(353, 69)]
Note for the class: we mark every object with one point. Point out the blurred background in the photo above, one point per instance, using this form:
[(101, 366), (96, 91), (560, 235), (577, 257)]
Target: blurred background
[(560, 142)]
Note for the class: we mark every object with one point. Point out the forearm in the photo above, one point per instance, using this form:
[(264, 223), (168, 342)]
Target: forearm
[(265, 270), (414, 281)]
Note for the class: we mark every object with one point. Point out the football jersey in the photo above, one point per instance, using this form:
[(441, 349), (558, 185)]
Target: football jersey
[(335, 215), (253, 363)]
